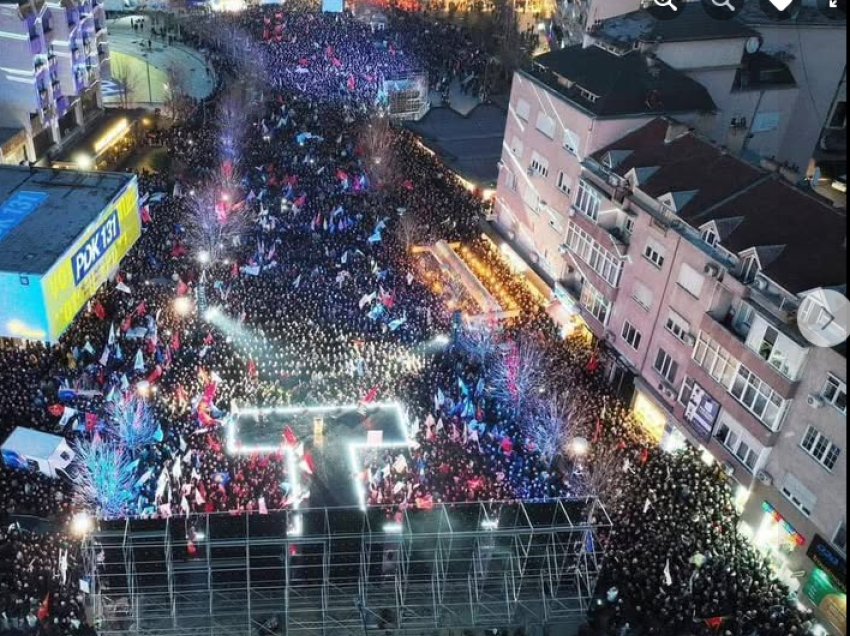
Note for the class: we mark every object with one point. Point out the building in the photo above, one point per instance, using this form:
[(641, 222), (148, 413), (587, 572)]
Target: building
[(572, 103), (691, 265), (774, 83), (62, 234), (52, 58)]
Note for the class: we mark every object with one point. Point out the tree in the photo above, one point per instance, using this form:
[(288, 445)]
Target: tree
[(377, 141), (213, 223), (105, 478), (178, 101), (134, 422)]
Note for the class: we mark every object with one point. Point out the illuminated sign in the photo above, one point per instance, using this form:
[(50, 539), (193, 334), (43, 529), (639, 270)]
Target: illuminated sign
[(795, 537), (88, 263), (112, 135), (95, 247), (702, 412), (18, 207), (830, 561)]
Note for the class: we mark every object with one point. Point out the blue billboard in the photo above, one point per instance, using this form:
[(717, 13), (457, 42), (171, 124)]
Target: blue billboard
[(18, 207), (95, 247)]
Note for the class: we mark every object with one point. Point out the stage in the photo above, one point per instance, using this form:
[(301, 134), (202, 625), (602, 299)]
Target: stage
[(332, 437)]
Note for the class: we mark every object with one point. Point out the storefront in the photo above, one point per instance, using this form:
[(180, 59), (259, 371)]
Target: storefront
[(826, 587), (652, 417), (564, 310), (778, 540)]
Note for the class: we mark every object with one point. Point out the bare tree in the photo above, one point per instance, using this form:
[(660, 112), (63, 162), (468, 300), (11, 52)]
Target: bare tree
[(178, 101), (213, 224), (378, 140), (127, 81), (520, 375)]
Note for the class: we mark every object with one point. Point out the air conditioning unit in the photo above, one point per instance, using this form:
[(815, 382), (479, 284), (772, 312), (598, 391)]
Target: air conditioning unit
[(572, 213), (728, 468), (511, 236), (761, 284), (491, 217), (816, 401), (690, 340), (765, 477), (563, 250), (713, 270), (531, 172), (610, 336)]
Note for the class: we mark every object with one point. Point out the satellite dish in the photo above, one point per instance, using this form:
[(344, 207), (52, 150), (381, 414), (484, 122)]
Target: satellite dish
[(754, 45)]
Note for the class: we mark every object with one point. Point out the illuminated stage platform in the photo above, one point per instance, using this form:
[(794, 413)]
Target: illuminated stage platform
[(334, 435)]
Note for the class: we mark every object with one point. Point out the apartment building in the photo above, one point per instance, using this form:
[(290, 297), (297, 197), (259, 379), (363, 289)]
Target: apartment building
[(52, 57), (691, 266), (572, 103), (774, 83)]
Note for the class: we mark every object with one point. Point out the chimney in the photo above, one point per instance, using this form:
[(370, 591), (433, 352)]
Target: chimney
[(676, 130)]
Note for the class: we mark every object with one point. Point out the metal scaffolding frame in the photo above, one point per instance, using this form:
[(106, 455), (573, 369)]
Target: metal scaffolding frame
[(348, 571)]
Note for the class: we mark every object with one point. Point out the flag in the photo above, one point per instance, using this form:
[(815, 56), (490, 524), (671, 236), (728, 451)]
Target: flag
[(67, 416), (139, 364), (56, 410), (99, 311), (44, 608), (104, 359), (367, 299), (261, 502), (91, 421), (289, 437), (371, 395), (88, 348), (111, 339), (593, 363), (668, 576), (715, 622)]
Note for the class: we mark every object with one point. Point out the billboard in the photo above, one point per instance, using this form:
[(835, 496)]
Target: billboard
[(333, 6), (84, 267)]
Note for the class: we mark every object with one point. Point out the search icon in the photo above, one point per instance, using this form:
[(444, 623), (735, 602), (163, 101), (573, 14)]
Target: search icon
[(723, 9), (667, 9)]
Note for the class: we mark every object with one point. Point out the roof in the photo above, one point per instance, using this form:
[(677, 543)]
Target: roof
[(471, 145), (693, 25), (50, 209), (631, 84), (802, 235), (26, 441), (809, 15)]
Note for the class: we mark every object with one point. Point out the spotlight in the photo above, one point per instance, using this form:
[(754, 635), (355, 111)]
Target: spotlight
[(211, 314), (183, 306), (440, 340), (579, 447), (143, 388), (203, 257), (81, 524)]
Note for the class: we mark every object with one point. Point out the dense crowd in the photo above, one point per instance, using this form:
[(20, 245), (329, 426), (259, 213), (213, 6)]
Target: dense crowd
[(317, 301)]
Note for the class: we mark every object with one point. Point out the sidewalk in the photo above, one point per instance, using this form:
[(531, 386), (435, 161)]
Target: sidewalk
[(130, 54)]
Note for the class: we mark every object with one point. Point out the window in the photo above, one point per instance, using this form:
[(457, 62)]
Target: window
[(546, 125), (643, 296), (709, 235), (598, 306), (687, 391), (715, 360), (750, 270), (803, 498), (600, 260), (556, 222), (517, 147), (820, 448), (666, 367), (539, 165), (835, 392), (757, 397), (632, 336), (523, 110), (588, 201), (678, 326), (564, 184), (510, 180), (531, 198), (735, 444), (572, 143), (839, 539), (655, 254), (776, 350), (691, 280)]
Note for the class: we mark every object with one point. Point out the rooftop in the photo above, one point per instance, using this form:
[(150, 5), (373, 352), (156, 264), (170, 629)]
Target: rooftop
[(471, 145), (609, 85), (693, 25), (753, 208), (809, 15), (52, 208)]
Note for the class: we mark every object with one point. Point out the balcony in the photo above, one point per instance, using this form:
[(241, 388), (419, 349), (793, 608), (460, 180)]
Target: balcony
[(722, 331)]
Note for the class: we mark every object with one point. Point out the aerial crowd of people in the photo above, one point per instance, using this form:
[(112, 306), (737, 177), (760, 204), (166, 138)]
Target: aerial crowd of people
[(314, 298)]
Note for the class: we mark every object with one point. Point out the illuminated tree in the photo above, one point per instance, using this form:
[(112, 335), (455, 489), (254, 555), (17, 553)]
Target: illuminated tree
[(105, 477)]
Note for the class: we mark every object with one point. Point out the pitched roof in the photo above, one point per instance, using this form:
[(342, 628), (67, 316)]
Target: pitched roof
[(801, 237), (631, 84), (693, 25)]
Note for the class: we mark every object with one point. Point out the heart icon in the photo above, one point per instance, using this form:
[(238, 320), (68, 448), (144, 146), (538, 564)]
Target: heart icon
[(781, 5)]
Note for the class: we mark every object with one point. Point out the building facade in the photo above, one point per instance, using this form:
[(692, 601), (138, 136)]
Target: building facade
[(690, 266), (52, 58)]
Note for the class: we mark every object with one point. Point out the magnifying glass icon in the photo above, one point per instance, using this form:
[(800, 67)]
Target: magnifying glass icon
[(725, 4), (667, 4)]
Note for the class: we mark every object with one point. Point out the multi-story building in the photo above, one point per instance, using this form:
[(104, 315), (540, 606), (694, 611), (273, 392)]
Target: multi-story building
[(773, 82), (52, 57), (573, 102), (691, 265)]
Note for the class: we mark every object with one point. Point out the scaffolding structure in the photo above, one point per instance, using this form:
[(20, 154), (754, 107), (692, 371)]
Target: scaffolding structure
[(407, 96), (348, 571)]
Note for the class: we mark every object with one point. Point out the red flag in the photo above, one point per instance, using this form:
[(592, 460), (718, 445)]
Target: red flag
[(180, 394), (213, 444), (507, 446), (252, 369), (91, 421), (44, 608), (593, 364), (175, 341), (99, 311), (56, 410), (146, 214), (352, 83), (308, 463), (371, 395), (715, 622), (127, 323), (182, 288), (408, 185), (644, 456), (234, 270), (289, 437), (142, 309), (208, 339), (598, 433), (155, 375)]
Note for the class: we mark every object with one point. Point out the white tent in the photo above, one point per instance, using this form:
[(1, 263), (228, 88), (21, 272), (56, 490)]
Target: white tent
[(36, 451)]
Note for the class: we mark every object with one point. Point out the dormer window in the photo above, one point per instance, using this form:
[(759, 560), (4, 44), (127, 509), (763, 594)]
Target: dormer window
[(710, 236), (750, 269)]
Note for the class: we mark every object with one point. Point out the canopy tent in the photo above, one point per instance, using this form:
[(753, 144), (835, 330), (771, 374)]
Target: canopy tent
[(27, 449)]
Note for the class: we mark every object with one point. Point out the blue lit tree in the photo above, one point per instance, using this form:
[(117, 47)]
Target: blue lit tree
[(105, 478)]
